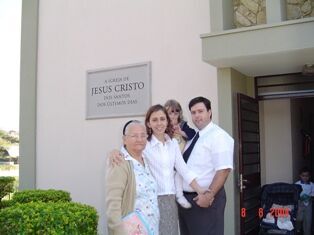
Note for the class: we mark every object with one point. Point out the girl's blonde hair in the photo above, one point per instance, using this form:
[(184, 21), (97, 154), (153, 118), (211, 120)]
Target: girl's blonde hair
[(175, 106)]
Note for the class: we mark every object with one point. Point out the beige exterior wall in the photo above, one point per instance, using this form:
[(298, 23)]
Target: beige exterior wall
[(231, 82), (71, 151), (276, 135), (225, 121)]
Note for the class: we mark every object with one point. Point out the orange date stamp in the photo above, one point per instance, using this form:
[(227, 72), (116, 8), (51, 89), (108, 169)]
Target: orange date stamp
[(279, 212)]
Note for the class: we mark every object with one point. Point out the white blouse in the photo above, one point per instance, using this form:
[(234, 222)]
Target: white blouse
[(163, 160)]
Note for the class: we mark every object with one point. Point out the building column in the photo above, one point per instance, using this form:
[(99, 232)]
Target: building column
[(221, 15), (276, 11), (28, 71)]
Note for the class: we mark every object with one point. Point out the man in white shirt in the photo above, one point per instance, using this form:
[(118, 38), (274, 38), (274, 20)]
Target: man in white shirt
[(211, 159)]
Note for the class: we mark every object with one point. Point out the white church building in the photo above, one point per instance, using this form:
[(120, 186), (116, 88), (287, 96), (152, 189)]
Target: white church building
[(211, 48)]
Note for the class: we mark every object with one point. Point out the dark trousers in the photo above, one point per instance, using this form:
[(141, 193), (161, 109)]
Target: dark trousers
[(203, 221)]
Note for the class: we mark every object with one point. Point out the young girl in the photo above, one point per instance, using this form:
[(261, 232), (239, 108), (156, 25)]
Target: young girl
[(182, 133)]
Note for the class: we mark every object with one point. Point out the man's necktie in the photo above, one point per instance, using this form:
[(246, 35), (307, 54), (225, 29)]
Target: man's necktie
[(188, 151)]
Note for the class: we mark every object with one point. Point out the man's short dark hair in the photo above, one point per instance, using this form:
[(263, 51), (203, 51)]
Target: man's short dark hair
[(200, 99)]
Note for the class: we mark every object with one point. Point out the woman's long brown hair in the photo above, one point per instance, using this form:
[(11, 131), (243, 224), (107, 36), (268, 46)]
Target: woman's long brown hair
[(153, 109)]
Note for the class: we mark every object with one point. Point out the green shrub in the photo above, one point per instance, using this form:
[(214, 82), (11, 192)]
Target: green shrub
[(6, 185), (41, 195), (49, 218), (6, 203)]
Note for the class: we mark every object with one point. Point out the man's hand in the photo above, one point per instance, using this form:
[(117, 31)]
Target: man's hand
[(204, 200), (115, 157)]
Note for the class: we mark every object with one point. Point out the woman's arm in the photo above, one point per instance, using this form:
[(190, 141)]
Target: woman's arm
[(185, 172)]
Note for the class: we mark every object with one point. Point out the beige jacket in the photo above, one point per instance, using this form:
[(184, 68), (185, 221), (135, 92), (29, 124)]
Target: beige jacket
[(120, 195)]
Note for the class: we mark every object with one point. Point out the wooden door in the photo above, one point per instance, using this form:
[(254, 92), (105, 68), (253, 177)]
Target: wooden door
[(249, 164)]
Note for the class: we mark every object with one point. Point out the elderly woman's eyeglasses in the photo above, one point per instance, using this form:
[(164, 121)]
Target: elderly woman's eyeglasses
[(142, 136)]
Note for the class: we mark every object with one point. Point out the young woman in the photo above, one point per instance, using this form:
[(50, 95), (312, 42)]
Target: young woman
[(164, 157)]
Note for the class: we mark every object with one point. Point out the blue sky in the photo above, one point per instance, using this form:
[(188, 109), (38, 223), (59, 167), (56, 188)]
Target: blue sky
[(10, 34)]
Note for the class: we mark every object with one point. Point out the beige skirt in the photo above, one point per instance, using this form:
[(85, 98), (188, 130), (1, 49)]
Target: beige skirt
[(168, 224)]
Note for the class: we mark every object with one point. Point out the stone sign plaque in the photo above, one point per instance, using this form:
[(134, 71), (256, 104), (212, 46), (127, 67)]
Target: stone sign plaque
[(119, 91)]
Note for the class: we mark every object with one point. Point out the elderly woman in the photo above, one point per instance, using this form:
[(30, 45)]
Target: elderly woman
[(130, 187)]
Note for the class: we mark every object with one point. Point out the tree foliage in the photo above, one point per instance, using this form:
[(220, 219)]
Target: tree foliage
[(6, 185), (6, 140), (3, 152)]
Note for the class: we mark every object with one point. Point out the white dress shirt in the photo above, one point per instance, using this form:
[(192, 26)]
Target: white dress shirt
[(163, 159), (213, 151)]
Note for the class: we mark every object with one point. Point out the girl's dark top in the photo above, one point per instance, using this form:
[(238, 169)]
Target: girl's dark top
[(190, 132)]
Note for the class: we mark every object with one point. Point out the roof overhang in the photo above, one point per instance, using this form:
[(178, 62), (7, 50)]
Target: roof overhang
[(262, 50)]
